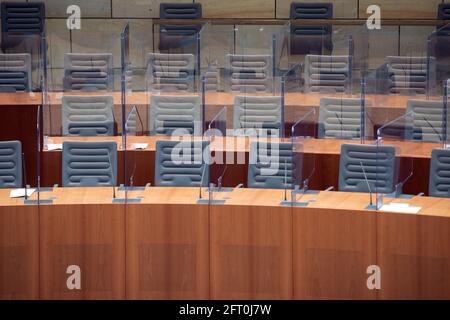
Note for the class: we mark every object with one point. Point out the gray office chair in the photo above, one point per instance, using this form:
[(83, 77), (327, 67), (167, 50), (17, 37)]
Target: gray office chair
[(170, 72), (10, 164), (439, 183), (88, 72), (427, 120), (89, 164), (327, 74), (409, 75), (15, 72), (249, 73), (270, 165), (378, 162), (175, 113), (258, 113), (87, 116), (182, 163), (340, 118), (313, 39)]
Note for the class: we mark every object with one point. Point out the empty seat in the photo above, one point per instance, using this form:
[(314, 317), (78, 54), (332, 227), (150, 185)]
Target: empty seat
[(409, 75), (426, 120), (22, 25), (249, 73), (257, 113), (439, 184), (179, 36), (170, 72), (89, 164), (182, 163), (378, 162), (87, 116), (10, 164), (328, 74), (271, 165), (15, 72), (88, 72), (311, 39), (179, 114), (340, 118)]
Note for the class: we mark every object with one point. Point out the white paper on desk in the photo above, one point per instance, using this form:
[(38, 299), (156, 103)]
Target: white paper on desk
[(139, 146), (54, 146), (19, 193), (400, 208)]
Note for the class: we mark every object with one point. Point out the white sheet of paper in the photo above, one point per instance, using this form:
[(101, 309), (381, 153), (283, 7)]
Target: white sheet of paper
[(19, 193), (140, 146), (400, 208), (54, 146)]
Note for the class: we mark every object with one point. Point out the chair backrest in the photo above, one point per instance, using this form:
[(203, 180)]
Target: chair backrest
[(23, 18), (170, 72), (327, 74), (88, 72), (10, 164), (249, 73), (378, 162), (87, 115), (409, 75), (170, 113), (258, 113), (89, 164), (211, 78), (443, 14), (179, 36), (182, 163), (15, 72), (426, 120), (340, 118), (270, 165), (439, 184), (311, 39)]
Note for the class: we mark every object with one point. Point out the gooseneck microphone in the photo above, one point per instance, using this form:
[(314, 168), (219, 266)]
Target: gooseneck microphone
[(367, 181), (219, 180), (201, 182), (112, 174), (24, 174)]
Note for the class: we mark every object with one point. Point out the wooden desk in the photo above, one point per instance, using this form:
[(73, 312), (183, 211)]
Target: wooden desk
[(19, 112), (168, 246), (324, 153), (19, 249)]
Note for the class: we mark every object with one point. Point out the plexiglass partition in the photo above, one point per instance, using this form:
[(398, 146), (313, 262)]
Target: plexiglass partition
[(82, 125)]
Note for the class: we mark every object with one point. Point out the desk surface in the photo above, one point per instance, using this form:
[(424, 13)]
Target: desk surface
[(211, 98), (240, 197), (413, 149)]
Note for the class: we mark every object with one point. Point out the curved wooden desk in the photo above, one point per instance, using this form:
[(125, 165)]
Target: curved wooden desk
[(170, 247)]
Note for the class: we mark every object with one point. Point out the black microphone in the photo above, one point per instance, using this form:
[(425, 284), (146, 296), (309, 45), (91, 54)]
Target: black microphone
[(367, 181), (201, 181), (112, 174), (24, 174), (140, 120), (219, 180), (434, 129), (285, 179)]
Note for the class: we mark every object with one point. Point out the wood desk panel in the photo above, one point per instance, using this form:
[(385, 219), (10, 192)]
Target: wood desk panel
[(90, 234), (251, 247), (168, 246), (333, 246), (414, 251), (19, 249)]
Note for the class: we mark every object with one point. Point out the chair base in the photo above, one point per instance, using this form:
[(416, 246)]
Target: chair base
[(38, 202), (126, 200), (207, 201)]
